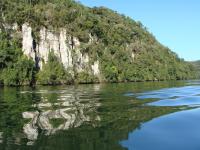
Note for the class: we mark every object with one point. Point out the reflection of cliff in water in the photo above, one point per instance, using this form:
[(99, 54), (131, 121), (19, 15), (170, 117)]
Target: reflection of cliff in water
[(67, 110), (27, 114), (76, 118), (1, 137), (106, 136)]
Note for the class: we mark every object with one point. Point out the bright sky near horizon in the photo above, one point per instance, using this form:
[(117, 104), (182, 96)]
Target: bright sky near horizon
[(175, 23)]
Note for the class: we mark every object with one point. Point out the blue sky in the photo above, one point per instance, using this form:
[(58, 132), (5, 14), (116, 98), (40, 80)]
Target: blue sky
[(175, 23)]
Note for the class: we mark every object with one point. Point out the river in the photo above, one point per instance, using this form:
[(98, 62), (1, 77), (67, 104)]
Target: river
[(123, 116)]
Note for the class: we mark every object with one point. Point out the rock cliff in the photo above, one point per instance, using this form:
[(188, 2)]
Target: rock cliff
[(65, 47), (90, 44)]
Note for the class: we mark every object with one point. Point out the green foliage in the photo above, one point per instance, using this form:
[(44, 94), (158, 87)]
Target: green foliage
[(106, 36), (53, 72), (85, 77), (15, 69), (196, 66), (19, 73)]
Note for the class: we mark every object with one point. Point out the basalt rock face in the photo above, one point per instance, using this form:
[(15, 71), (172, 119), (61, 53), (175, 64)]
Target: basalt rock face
[(65, 47)]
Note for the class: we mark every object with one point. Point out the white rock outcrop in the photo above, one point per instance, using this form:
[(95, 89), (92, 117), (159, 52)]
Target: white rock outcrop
[(27, 41), (64, 46), (95, 68), (133, 56), (66, 53)]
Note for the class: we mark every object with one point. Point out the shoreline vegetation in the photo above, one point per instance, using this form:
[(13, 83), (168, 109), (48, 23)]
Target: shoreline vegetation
[(94, 83), (124, 48)]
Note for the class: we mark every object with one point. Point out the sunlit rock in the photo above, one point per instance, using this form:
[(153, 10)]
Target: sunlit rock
[(27, 42), (95, 68), (65, 47)]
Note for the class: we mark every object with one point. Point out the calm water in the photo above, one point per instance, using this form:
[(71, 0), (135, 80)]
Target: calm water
[(128, 116)]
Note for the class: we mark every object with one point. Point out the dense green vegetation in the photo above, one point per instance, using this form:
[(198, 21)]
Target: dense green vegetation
[(53, 72), (118, 38), (15, 68), (196, 65)]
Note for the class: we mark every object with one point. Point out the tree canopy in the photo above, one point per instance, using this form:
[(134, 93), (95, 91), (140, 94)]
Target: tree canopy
[(119, 38)]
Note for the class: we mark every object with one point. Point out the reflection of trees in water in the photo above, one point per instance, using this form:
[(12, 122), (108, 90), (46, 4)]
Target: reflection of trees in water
[(1, 137), (12, 104), (46, 111), (73, 118), (113, 128)]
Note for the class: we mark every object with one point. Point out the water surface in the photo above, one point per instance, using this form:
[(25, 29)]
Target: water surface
[(133, 116)]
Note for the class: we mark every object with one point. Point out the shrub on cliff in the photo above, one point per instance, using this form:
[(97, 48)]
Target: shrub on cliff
[(53, 72), (85, 77), (15, 68)]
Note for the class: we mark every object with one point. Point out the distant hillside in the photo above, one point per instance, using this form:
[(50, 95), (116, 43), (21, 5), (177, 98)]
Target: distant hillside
[(64, 42), (197, 66)]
